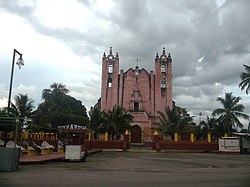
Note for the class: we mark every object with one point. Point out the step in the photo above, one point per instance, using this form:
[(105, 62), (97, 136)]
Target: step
[(141, 149)]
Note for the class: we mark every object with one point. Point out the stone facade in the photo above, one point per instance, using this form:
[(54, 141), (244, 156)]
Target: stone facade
[(139, 92)]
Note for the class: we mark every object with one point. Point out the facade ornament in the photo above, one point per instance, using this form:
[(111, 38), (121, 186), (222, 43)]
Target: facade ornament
[(110, 50), (163, 51)]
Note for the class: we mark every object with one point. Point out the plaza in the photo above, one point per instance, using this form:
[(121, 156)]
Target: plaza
[(136, 169)]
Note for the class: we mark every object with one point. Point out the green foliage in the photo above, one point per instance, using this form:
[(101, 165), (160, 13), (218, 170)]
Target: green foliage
[(245, 79), (116, 121), (59, 109), (22, 108), (24, 105), (210, 125), (173, 120), (95, 115), (228, 115)]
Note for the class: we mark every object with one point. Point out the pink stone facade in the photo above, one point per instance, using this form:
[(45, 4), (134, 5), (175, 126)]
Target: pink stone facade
[(139, 92)]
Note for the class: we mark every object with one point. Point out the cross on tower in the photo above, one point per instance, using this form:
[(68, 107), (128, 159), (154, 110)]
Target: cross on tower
[(137, 61)]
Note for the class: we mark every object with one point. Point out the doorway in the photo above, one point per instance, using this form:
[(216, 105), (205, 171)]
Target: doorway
[(136, 134)]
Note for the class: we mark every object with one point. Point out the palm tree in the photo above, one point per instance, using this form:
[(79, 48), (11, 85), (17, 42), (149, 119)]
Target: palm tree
[(228, 115), (116, 121), (245, 79), (175, 120), (95, 115), (56, 89), (22, 108), (59, 109), (210, 125), (23, 105), (54, 95)]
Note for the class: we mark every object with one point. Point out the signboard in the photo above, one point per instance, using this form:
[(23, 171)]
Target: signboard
[(229, 145)]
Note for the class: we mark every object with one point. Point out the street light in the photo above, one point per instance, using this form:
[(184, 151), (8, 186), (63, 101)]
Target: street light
[(20, 63)]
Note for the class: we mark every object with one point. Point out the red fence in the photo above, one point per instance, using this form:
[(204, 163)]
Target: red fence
[(112, 144), (186, 145)]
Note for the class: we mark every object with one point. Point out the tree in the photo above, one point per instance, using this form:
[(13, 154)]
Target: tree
[(245, 79), (116, 121), (210, 125), (23, 105), (175, 120), (95, 115), (59, 109), (228, 115), (54, 95), (22, 108), (56, 89)]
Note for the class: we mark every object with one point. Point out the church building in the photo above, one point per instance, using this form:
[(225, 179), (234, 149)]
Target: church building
[(140, 92)]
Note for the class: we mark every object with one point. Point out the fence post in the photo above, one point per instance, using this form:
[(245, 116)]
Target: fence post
[(192, 137), (126, 138), (106, 137), (209, 137), (89, 136), (156, 139), (176, 137)]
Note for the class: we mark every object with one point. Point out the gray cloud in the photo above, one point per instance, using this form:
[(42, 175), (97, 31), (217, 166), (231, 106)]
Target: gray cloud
[(208, 43)]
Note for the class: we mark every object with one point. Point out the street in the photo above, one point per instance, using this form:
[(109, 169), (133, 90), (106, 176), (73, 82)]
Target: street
[(136, 169)]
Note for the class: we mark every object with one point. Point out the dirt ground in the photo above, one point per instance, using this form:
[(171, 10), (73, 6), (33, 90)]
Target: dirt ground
[(136, 169)]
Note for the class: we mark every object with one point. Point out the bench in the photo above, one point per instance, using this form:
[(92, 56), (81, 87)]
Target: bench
[(46, 148)]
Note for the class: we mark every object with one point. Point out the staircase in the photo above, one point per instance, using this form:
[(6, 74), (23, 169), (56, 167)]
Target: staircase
[(140, 148)]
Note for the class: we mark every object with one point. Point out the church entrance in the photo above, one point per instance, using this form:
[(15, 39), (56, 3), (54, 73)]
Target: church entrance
[(136, 134)]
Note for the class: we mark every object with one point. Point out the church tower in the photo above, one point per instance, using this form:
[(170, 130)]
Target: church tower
[(109, 87), (163, 81), (139, 92)]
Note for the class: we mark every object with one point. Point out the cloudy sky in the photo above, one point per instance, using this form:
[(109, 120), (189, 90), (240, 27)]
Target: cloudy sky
[(63, 41)]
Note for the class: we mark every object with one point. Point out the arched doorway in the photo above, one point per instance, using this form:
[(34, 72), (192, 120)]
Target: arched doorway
[(136, 134)]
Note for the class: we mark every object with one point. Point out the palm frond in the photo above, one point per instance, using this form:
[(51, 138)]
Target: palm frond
[(228, 116), (245, 79)]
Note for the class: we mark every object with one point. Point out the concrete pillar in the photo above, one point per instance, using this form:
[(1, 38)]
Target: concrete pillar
[(155, 141), (89, 136), (106, 137), (11, 135), (176, 137), (41, 135), (126, 138), (192, 137), (209, 137)]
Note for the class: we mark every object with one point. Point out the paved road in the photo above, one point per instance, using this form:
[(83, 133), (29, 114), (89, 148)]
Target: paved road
[(136, 169)]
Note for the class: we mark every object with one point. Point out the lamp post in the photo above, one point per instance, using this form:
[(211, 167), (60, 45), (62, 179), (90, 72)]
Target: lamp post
[(20, 63)]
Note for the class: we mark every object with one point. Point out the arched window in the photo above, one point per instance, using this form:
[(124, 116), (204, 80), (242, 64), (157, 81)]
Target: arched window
[(110, 68), (163, 68), (163, 82), (109, 82)]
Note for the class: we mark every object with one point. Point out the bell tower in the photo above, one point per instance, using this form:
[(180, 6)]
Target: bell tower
[(163, 81), (109, 87)]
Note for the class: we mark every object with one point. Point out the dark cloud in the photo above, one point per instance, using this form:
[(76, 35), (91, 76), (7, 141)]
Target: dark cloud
[(208, 43)]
